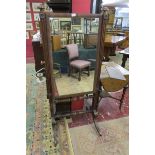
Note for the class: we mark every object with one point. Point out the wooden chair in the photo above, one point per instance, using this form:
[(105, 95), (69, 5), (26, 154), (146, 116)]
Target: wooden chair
[(75, 62)]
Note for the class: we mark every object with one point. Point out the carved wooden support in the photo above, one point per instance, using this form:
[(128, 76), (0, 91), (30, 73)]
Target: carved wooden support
[(47, 52), (99, 56)]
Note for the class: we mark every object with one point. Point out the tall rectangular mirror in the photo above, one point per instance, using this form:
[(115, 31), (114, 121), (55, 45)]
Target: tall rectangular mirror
[(72, 53)]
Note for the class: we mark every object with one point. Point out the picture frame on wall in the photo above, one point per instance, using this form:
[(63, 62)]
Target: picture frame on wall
[(29, 26), (76, 21), (76, 28), (65, 25), (27, 35), (28, 17), (35, 6), (55, 24), (28, 6), (36, 17)]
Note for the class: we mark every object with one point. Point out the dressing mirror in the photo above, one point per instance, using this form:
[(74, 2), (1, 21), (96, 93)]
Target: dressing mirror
[(57, 31)]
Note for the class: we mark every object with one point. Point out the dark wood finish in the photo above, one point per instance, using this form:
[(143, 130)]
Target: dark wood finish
[(47, 49), (124, 59), (125, 53), (69, 15), (110, 45), (99, 55), (38, 55), (60, 5)]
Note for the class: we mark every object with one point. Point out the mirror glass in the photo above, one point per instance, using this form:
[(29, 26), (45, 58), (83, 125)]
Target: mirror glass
[(84, 33)]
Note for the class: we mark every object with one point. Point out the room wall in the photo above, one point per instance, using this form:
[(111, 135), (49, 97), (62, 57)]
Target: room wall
[(81, 6), (29, 50), (78, 6)]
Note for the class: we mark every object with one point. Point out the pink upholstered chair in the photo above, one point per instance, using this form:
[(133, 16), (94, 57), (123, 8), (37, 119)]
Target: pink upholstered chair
[(75, 62)]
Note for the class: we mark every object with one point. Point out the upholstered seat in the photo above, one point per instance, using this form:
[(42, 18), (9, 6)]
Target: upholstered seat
[(74, 61), (80, 63)]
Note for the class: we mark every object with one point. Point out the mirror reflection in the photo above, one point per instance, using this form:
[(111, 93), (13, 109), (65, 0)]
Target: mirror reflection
[(74, 43)]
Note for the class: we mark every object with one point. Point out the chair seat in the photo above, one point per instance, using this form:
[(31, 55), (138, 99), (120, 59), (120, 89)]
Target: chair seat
[(80, 63)]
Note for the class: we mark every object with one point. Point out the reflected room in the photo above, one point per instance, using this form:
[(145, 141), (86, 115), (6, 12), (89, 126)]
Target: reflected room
[(74, 42)]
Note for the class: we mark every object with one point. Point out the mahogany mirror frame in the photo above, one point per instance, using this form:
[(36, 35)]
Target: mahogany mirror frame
[(47, 52)]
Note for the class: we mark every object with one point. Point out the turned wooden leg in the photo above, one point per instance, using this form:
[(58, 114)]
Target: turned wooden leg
[(121, 100), (69, 71), (79, 75), (88, 70), (124, 60), (106, 54)]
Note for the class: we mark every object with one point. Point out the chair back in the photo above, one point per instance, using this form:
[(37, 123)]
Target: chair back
[(73, 51)]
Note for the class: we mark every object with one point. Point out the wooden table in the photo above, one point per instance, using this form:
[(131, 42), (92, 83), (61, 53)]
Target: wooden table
[(56, 42), (113, 78), (125, 53), (110, 45)]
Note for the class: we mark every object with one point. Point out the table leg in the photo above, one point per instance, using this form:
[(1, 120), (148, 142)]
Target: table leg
[(125, 56), (112, 50), (106, 54), (121, 100)]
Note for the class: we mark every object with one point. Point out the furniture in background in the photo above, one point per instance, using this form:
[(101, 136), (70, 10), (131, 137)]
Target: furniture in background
[(118, 22), (75, 37), (40, 62), (116, 32), (113, 78), (125, 53), (110, 44), (56, 42), (90, 40), (125, 44), (61, 56), (75, 62), (110, 22), (38, 55)]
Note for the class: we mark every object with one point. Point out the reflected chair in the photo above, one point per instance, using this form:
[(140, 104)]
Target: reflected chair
[(75, 62)]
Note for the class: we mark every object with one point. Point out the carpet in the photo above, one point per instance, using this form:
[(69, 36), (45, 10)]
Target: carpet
[(108, 109), (39, 132), (114, 139)]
